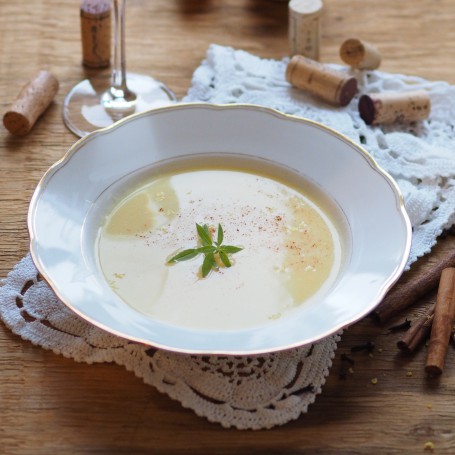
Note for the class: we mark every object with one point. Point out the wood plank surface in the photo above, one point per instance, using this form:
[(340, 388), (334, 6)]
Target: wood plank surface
[(50, 404)]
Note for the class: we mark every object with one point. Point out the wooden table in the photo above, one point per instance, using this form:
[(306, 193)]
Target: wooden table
[(50, 404)]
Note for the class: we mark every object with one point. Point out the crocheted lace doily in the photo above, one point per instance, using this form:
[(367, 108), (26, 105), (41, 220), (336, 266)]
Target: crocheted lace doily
[(258, 392)]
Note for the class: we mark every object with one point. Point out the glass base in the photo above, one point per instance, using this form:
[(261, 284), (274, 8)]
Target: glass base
[(88, 106)]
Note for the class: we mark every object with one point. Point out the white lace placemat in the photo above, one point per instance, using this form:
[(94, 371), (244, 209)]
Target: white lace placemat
[(258, 392)]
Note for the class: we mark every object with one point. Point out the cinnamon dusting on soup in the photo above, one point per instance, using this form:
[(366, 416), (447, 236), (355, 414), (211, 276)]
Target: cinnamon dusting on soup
[(291, 248)]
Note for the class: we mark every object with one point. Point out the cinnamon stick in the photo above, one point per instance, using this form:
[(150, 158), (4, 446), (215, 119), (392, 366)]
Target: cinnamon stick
[(444, 314), (402, 296), (418, 332)]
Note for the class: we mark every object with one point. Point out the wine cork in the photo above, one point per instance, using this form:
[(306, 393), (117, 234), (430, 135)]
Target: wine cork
[(360, 54), (332, 86), (96, 33), (376, 108), (31, 102), (305, 27)]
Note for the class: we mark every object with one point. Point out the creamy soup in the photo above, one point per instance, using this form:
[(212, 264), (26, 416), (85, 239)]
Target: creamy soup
[(290, 248)]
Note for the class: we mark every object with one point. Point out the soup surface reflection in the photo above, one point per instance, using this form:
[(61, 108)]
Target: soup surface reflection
[(291, 248)]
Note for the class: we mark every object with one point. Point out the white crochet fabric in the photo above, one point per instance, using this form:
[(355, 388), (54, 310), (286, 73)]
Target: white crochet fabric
[(257, 392), (252, 392)]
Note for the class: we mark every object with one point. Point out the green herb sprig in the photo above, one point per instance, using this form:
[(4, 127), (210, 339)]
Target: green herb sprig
[(209, 249)]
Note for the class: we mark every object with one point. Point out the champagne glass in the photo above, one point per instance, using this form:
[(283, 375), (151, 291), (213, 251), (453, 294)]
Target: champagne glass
[(98, 102)]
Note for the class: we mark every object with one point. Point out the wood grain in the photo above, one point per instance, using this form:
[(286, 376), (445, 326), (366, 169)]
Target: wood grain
[(49, 404)]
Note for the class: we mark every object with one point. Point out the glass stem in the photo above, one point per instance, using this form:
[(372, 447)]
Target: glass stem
[(119, 89)]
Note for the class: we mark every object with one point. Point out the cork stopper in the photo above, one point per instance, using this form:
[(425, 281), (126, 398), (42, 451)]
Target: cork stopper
[(391, 107), (305, 28), (326, 83), (360, 54), (96, 33), (31, 102)]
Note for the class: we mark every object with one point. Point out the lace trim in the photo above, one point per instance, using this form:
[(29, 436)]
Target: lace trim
[(251, 392)]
